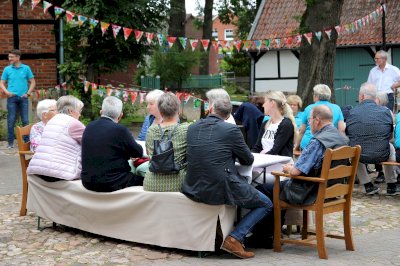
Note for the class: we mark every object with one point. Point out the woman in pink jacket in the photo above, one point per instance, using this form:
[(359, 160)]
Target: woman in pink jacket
[(58, 157)]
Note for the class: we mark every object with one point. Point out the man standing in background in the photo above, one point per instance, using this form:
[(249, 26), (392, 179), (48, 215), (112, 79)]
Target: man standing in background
[(17, 76), (385, 76)]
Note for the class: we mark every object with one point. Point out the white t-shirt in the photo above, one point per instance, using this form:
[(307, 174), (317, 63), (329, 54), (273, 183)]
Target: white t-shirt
[(268, 137)]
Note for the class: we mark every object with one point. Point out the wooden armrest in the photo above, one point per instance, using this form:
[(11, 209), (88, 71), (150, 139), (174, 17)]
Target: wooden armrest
[(305, 178), (26, 152), (390, 163)]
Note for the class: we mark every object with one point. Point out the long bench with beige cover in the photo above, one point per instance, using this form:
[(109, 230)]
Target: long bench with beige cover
[(166, 219)]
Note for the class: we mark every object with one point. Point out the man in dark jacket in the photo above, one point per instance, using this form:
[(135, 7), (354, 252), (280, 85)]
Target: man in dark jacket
[(106, 149), (371, 126), (212, 148)]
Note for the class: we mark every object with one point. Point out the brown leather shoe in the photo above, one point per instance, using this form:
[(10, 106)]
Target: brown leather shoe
[(234, 247)]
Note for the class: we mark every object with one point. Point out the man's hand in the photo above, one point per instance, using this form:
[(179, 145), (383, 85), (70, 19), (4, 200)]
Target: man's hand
[(287, 167)]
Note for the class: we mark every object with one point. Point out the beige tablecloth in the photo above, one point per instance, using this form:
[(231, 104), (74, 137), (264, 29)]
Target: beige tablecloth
[(167, 219)]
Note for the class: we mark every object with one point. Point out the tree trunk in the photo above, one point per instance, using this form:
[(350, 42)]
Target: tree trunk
[(177, 18), (207, 34), (317, 61)]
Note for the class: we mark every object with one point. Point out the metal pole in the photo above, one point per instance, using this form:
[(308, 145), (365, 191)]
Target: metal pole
[(383, 26)]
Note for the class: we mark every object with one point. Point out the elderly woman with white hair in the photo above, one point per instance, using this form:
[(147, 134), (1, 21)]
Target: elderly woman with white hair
[(45, 110), (215, 94), (153, 116), (321, 95), (58, 157)]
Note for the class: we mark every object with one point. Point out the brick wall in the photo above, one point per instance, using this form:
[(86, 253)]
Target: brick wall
[(34, 39)]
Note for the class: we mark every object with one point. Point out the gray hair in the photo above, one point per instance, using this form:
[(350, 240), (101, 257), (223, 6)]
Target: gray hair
[(323, 92), (67, 102), (215, 94), (382, 53), (168, 105), (368, 90), (222, 107), (43, 106), (153, 95), (111, 107)]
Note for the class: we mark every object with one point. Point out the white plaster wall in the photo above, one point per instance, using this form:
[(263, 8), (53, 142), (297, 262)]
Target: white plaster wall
[(289, 64), (289, 85), (267, 66)]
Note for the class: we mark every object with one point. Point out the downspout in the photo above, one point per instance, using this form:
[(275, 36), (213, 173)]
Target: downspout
[(61, 47)]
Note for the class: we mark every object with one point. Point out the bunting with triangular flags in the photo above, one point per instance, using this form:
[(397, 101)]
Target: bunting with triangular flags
[(205, 43), (115, 29), (93, 22), (171, 41), (193, 43), (149, 37), (46, 6), (104, 26), (183, 41), (138, 35), (127, 32), (35, 3)]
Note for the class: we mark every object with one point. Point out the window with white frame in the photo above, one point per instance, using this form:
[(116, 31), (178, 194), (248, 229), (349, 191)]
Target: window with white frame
[(215, 33), (229, 34)]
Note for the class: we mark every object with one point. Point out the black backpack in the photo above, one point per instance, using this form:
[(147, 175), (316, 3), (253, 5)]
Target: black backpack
[(163, 159)]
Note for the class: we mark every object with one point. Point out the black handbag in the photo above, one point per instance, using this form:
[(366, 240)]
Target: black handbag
[(163, 159), (299, 192)]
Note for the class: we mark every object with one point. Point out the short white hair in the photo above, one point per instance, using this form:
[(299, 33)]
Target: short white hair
[(323, 92), (43, 106), (111, 107), (215, 94), (153, 95), (67, 102)]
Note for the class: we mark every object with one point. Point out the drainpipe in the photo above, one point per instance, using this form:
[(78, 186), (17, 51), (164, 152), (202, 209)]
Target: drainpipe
[(61, 48)]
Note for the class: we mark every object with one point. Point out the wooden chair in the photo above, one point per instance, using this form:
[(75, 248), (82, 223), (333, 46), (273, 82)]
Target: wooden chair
[(329, 199), (24, 157)]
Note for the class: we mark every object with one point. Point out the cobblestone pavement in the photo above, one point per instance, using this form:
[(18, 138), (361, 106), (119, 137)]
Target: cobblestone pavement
[(375, 223)]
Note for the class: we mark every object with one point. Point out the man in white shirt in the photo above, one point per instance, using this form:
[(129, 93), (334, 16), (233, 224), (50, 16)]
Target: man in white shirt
[(385, 76)]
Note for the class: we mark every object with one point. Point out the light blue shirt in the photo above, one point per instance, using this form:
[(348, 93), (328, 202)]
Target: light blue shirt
[(337, 116), (299, 118), (17, 78), (397, 132)]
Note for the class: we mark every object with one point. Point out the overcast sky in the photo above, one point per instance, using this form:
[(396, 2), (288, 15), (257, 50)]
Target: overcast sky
[(191, 6)]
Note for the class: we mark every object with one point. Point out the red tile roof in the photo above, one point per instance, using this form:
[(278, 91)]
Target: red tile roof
[(277, 20)]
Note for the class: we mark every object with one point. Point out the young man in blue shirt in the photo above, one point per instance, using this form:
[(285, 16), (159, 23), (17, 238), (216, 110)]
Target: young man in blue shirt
[(16, 76)]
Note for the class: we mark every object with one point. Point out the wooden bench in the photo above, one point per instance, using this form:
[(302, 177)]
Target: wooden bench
[(166, 219)]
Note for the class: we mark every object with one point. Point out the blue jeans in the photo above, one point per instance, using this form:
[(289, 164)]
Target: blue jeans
[(16, 104), (248, 222)]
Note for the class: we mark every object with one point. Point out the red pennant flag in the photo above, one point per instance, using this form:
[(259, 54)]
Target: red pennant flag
[(127, 32), (222, 43), (180, 95), (35, 3), (149, 37), (133, 96), (138, 35), (205, 43), (308, 37), (215, 45), (238, 44), (338, 30), (289, 41), (70, 15), (171, 40), (328, 33), (193, 43)]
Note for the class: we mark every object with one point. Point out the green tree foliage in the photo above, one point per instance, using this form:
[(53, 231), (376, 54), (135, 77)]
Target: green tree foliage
[(173, 66), (239, 63), (88, 53)]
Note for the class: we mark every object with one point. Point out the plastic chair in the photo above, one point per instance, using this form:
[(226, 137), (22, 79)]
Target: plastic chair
[(25, 155), (330, 199)]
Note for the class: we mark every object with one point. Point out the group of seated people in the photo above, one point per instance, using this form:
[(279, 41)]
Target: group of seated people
[(206, 151)]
